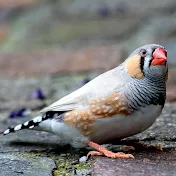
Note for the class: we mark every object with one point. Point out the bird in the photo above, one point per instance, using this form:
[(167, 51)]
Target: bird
[(119, 103)]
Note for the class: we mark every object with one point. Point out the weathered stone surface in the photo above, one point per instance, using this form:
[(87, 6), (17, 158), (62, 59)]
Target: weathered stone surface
[(144, 164), (19, 164)]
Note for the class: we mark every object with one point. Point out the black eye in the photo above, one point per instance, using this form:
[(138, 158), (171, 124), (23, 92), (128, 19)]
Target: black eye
[(143, 52)]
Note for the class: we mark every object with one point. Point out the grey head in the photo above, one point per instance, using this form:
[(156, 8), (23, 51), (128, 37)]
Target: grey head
[(152, 60), (146, 69), (147, 61)]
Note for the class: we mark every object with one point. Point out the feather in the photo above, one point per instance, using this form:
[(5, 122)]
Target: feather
[(80, 98)]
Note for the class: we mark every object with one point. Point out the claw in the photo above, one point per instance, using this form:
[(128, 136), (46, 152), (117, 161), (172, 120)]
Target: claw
[(94, 153), (103, 151)]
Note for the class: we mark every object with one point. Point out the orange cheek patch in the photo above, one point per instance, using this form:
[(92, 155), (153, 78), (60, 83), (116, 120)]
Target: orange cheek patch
[(132, 66), (99, 108)]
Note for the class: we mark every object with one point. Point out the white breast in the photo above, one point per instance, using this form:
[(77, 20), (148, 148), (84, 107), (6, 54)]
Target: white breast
[(119, 127)]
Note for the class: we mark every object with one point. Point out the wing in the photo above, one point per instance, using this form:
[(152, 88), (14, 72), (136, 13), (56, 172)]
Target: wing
[(101, 86), (69, 102), (99, 108)]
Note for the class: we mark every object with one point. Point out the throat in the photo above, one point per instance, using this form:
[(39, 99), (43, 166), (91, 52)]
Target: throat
[(143, 94)]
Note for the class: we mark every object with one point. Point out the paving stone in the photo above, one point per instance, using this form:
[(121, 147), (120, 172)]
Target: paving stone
[(144, 164), (17, 165)]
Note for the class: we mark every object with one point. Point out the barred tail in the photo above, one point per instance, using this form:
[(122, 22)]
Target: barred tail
[(31, 123)]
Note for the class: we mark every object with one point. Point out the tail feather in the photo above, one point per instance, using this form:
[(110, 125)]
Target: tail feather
[(31, 123)]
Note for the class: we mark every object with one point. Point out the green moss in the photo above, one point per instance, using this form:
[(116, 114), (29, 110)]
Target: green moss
[(66, 162), (33, 155), (83, 165)]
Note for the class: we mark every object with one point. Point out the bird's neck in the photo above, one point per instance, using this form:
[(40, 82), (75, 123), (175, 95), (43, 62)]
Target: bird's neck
[(146, 92)]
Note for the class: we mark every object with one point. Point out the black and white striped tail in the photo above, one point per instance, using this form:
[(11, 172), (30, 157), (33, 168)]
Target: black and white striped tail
[(31, 123)]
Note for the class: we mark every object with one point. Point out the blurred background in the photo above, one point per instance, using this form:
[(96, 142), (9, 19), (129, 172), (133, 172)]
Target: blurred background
[(49, 48)]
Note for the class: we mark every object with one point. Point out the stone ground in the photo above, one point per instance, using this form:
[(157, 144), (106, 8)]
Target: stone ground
[(33, 153)]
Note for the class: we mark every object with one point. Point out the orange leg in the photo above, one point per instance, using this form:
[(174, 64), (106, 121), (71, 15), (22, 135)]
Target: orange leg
[(103, 151)]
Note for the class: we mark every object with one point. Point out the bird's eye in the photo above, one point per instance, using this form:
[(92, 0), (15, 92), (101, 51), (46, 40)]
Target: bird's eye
[(143, 52)]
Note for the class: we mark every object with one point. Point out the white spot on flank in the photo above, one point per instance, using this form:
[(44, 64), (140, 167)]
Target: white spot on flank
[(93, 110), (68, 118), (7, 131), (99, 112), (67, 114), (116, 98), (89, 112), (84, 118), (123, 108), (108, 107), (98, 107), (106, 110), (79, 117), (111, 110), (116, 105), (103, 106), (87, 133), (18, 127)]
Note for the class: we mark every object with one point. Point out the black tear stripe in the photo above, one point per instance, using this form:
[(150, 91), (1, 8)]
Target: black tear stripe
[(142, 63), (150, 62)]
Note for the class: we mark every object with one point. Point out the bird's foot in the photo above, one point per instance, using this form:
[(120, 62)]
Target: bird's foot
[(104, 151), (110, 154)]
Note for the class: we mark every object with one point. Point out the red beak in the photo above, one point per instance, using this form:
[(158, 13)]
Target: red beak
[(159, 57)]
